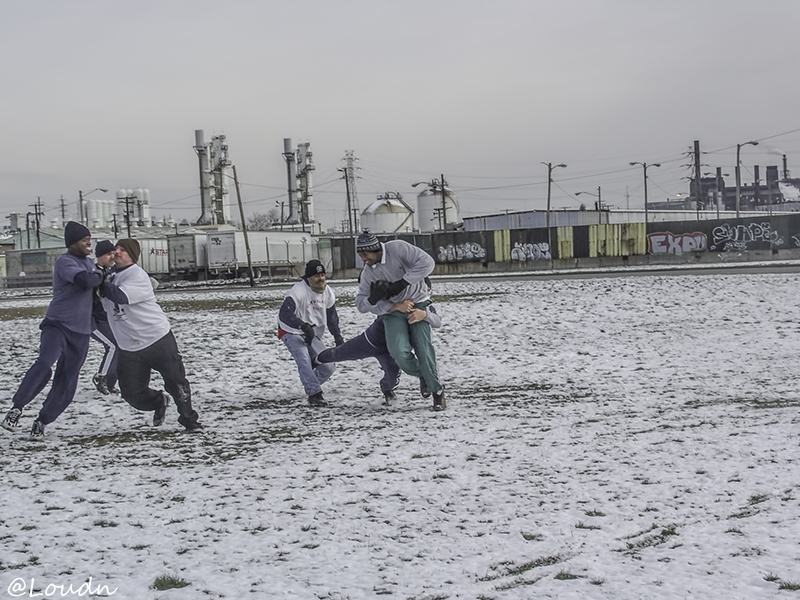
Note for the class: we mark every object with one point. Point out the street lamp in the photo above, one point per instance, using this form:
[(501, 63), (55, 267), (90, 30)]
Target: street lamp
[(80, 202), (739, 175), (599, 203), (550, 167), (644, 168)]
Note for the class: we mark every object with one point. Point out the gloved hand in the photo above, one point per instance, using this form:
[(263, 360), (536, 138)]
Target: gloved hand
[(338, 340), (396, 287), (103, 272), (377, 291), (308, 332)]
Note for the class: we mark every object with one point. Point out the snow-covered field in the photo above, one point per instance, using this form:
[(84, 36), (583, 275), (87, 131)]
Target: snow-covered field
[(621, 438)]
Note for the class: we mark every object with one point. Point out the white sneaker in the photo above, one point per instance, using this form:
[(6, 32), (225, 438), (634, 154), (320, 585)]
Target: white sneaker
[(11, 422)]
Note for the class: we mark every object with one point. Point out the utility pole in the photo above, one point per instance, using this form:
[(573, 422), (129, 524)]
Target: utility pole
[(444, 205), (63, 209), (36, 207), (698, 188), (720, 189), (349, 177), (244, 228)]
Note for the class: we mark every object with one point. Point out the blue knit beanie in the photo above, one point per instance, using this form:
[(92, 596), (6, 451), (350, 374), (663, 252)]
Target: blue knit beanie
[(367, 242), (103, 248), (75, 232)]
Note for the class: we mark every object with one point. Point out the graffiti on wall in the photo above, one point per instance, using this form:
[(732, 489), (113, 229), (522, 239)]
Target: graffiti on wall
[(665, 242), (522, 252), (729, 238), (466, 251)]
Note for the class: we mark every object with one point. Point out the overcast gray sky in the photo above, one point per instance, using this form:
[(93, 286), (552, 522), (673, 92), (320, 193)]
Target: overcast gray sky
[(105, 93)]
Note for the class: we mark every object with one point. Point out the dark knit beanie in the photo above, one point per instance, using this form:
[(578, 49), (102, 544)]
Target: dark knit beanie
[(103, 248), (132, 247), (75, 232), (367, 242), (314, 267)]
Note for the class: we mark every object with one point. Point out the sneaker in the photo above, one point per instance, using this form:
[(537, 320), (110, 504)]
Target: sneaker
[(11, 422), (160, 413), (315, 362), (389, 396), (99, 382), (439, 401), (195, 427), (423, 388), (37, 431), (317, 400)]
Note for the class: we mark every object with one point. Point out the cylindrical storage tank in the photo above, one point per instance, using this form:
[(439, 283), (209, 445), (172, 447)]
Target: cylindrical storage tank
[(146, 206), (387, 216), (91, 212), (429, 208), (138, 202), (108, 212), (121, 194)]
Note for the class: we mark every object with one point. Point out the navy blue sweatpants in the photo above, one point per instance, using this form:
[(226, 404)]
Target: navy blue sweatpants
[(67, 350), (108, 366), (371, 343)]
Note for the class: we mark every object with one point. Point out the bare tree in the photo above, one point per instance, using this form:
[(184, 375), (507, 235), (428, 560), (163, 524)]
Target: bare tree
[(260, 221)]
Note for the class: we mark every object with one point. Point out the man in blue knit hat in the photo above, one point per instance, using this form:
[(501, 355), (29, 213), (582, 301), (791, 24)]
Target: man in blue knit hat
[(66, 330), (392, 286), (106, 377)]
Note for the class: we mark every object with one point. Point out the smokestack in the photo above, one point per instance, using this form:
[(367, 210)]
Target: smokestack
[(204, 162), (785, 168), (291, 173)]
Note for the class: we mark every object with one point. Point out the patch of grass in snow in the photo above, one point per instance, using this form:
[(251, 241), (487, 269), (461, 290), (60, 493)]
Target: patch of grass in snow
[(119, 439), (509, 569), (789, 585), (597, 581), (758, 499), (532, 537), (566, 575), (735, 530), (169, 582), (104, 523), (594, 513), (649, 541), (582, 525)]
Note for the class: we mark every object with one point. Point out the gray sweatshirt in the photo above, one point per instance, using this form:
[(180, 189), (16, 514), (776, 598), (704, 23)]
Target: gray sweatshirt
[(400, 260)]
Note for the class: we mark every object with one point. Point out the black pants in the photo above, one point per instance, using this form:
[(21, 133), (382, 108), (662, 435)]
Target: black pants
[(134, 369)]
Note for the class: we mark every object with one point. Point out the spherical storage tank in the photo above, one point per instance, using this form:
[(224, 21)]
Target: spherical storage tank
[(429, 209), (387, 215)]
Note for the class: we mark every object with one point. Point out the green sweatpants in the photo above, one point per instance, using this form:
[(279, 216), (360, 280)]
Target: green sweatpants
[(411, 346)]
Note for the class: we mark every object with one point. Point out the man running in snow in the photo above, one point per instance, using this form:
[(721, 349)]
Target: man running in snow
[(106, 377), (66, 328), (372, 343), (145, 341), (310, 306), (393, 272)]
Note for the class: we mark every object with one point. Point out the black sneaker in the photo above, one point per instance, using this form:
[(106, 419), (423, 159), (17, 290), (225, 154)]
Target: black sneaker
[(389, 396), (11, 422), (423, 388), (317, 400), (99, 382), (160, 413), (195, 427), (439, 401), (37, 431)]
